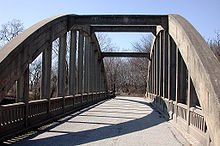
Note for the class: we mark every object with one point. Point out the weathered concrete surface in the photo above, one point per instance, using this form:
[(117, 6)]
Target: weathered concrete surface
[(120, 121), (204, 69), (125, 54)]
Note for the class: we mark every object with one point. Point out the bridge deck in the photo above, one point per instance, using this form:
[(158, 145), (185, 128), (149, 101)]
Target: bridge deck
[(119, 121)]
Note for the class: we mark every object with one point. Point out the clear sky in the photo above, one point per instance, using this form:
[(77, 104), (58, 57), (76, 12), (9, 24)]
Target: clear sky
[(203, 14)]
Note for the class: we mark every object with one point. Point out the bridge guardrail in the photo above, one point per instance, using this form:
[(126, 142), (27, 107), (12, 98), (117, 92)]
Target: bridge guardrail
[(197, 119), (182, 111), (12, 116)]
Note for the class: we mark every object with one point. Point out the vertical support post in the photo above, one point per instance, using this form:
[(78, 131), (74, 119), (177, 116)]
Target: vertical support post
[(165, 65), (92, 71), (80, 63), (72, 61), (182, 81), (162, 63), (159, 63), (26, 93), (86, 66), (154, 70), (150, 79), (102, 78), (20, 89), (61, 65), (169, 66), (46, 74), (177, 80), (188, 102), (61, 68), (154, 55), (99, 76), (156, 65), (22, 93), (90, 67), (95, 71), (151, 75), (105, 84), (72, 68), (173, 69)]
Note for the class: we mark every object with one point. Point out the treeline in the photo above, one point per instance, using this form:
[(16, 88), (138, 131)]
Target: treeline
[(127, 75)]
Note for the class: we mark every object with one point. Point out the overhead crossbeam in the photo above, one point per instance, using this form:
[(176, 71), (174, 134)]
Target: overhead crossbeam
[(125, 54), (123, 29), (120, 20)]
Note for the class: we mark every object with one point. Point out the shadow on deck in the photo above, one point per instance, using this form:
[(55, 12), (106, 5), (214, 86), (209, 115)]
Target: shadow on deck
[(108, 129)]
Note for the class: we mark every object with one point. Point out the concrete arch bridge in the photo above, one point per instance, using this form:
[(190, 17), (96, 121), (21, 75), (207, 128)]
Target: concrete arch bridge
[(183, 78)]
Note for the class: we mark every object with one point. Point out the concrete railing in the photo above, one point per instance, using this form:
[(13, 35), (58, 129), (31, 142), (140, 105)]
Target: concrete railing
[(182, 111), (86, 85), (14, 118), (197, 119), (192, 121)]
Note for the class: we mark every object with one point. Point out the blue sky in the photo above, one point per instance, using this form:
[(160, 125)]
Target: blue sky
[(203, 14)]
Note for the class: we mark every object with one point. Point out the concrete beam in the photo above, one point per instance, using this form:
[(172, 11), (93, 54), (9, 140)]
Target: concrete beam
[(124, 29), (125, 54), (120, 20)]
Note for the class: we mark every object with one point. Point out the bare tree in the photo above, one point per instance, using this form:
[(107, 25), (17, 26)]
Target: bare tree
[(128, 75), (9, 30), (35, 78), (215, 44), (143, 45), (112, 65)]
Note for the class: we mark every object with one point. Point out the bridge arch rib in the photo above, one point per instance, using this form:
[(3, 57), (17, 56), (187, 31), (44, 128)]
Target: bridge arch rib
[(181, 43)]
